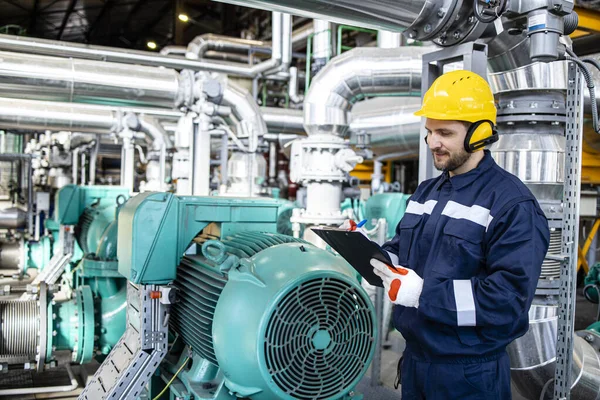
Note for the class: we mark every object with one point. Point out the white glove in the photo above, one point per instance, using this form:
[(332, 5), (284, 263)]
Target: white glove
[(351, 226), (402, 285)]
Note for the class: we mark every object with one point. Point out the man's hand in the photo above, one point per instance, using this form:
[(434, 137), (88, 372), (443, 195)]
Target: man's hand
[(403, 285)]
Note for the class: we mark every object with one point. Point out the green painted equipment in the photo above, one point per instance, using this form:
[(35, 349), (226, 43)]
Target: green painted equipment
[(390, 206), (92, 321), (262, 315), (308, 332)]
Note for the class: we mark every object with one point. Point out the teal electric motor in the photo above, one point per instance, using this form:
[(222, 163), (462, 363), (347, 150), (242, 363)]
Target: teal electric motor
[(252, 313), (280, 318)]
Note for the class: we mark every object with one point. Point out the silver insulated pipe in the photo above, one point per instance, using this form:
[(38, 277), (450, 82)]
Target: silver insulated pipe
[(12, 218), (391, 15), (25, 76), (354, 75), (533, 359)]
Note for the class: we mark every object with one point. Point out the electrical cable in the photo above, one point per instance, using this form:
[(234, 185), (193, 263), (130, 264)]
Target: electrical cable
[(543, 393), (172, 379), (571, 56)]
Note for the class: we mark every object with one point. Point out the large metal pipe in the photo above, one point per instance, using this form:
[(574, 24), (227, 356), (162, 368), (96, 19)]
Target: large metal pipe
[(283, 120), (247, 118), (391, 15), (11, 257), (198, 47), (114, 55), (300, 36), (392, 129), (42, 115), (389, 129), (533, 359), (354, 75), (27, 76), (12, 218), (56, 116)]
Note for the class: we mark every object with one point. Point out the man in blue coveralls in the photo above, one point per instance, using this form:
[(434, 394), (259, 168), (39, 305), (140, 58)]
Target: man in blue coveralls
[(467, 254)]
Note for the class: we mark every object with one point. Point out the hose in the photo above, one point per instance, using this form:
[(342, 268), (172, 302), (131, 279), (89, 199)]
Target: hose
[(172, 379), (587, 295), (589, 81), (570, 22)]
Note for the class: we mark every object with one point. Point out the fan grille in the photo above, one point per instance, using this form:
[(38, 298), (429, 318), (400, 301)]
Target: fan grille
[(319, 339)]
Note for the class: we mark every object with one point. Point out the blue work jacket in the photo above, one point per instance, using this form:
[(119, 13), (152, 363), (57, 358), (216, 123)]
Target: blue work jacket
[(478, 240)]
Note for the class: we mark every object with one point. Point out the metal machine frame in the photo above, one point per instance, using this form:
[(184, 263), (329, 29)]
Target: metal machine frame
[(570, 235)]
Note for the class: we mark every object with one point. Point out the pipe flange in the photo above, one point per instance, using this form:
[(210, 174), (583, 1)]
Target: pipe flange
[(431, 21), (462, 27), (185, 94)]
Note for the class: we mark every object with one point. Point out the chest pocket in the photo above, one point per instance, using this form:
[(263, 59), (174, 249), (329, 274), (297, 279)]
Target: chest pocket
[(409, 227), (460, 255)]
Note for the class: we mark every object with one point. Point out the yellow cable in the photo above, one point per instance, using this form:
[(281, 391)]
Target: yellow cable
[(172, 379)]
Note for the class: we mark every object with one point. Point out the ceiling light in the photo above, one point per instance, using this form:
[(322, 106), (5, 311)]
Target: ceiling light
[(151, 45), (183, 18)]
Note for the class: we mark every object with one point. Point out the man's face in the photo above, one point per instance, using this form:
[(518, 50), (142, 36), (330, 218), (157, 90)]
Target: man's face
[(446, 141)]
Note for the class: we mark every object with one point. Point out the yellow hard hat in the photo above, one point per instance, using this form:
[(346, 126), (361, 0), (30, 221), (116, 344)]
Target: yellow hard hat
[(459, 96), (463, 96)]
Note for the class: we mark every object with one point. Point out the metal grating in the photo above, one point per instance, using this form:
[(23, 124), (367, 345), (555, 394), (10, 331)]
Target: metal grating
[(319, 339), (200, 285)]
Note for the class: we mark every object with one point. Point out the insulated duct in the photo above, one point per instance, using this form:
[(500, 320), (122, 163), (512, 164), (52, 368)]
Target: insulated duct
[(387, 129), (354, 75), (47, 115), (13, 218), (533, 359), (26, 76), (283, 120), (198, 47), (419, 19), (389, 15), (300, 36), (247, 118), (113, 55)]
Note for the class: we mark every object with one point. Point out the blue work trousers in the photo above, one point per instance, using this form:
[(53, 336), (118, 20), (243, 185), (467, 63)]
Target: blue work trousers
[(427, 380)]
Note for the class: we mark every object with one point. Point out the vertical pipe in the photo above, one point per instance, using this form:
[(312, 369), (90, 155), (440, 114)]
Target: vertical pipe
[(402, 178), (389, 40), (377, 177), (93, 159), (272, 162), (83, 174), (128, 162), (29, 196), (224, 159), (162, 174), (376, 365), (75, 167), (321, 45), (201, 160)]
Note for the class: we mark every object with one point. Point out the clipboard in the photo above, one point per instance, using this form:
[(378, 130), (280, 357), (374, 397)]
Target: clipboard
[(357, 249)]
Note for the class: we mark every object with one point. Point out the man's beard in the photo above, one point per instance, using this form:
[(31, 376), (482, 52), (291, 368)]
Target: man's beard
[(453, 162)]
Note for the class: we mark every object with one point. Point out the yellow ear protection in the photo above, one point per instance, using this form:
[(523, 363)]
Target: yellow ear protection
[(479, 135)]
